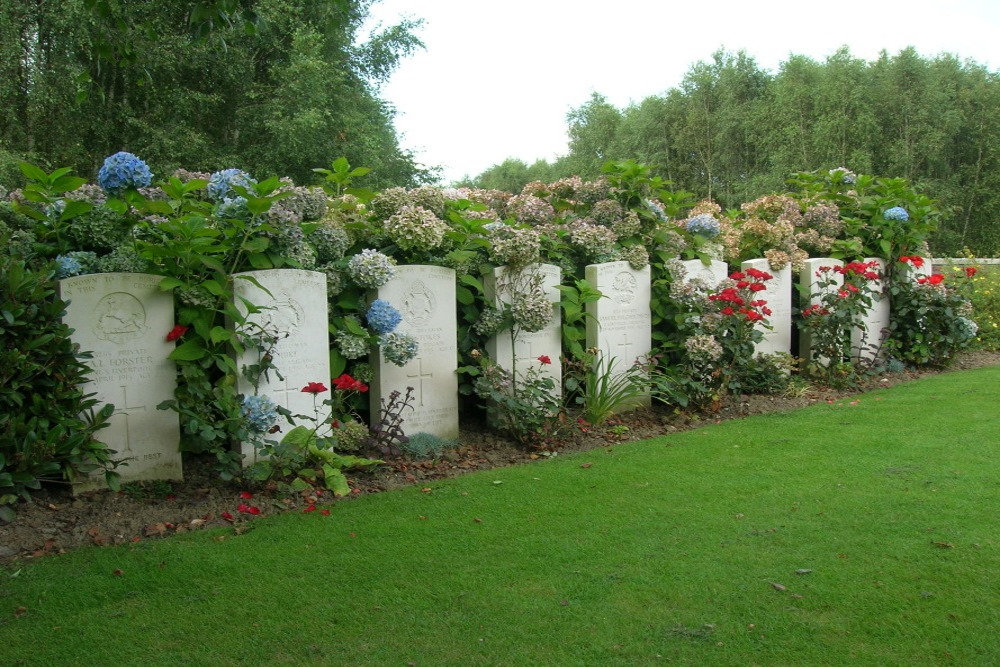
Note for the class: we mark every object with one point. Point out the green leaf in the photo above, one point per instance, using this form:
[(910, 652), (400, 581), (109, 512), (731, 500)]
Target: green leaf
[(74, 208), (219, 334), (191, 350), (33, 173), (335, 481), (300, 437), (260, 261), (464, 295), (116, 205), (168, 283)]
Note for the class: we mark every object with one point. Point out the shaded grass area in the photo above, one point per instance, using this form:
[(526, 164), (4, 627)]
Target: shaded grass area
[(682, 548)]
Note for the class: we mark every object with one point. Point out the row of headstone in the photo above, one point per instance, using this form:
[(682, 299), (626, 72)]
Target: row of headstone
[(123, 319)]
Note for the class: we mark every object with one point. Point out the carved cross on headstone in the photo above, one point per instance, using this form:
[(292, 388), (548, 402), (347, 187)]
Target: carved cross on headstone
[(124, 412), (281, 393), (626, 344), (520, 346), (420, 376)]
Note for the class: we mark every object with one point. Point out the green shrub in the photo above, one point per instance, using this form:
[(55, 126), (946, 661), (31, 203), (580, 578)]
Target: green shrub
[(983, 290), (47, 422)]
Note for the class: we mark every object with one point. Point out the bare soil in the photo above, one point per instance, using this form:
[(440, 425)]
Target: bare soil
[(55, 521)]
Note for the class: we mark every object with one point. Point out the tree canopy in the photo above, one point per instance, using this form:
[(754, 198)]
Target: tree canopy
[(270, 86)]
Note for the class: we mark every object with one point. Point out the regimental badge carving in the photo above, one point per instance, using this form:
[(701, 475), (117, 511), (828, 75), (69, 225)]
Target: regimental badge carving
[(119, 317), (623, 288), (418, 305), (286, 315)]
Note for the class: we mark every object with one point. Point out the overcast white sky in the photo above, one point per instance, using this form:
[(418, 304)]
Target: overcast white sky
[(497, 78)]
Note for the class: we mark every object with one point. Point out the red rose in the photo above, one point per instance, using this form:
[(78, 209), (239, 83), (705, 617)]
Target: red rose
[(243, 508), (246, 495), (758, 287), (917, 261), (311, 508), (314, 388), (175, 333), (254, 510), (325, 512), (728, 310), (936, 279), (544, 359), (971, 271), (227, 516), (737, 275)]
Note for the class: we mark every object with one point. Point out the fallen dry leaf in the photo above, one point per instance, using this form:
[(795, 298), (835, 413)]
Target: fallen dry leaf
[(20, 611), (944, 545), (778, 587), (117, 572), (587, 464), (426, 489), (478, 520), (155, 529), (803, 571)]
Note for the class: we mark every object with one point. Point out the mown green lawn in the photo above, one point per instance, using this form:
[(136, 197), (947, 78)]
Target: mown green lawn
[(682, 549)]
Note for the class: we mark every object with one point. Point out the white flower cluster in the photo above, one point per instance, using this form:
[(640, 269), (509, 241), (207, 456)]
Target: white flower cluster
[(514, 247), (703, 348), (531, 310), (416, 228), (371, 269), (530, 209), (596, 243)]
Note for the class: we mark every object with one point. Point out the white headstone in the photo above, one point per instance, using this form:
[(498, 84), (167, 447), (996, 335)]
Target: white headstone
[(867, 343), (809, 278), (124, 319), (295, 311), (425, 297), (500, 286), (712, 274), (779, 299), (620, 326)]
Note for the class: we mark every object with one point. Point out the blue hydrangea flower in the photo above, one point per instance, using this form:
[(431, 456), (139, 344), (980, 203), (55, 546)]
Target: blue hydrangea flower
[(220, 184), (260, 413), (75, 263), (122, 171), (382, 317), (896, 213), (705, 225), (67, 266)]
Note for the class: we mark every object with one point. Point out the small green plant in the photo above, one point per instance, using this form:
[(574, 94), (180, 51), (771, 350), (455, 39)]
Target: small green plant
[(527, 407), (426, 446), (608, 389), (306, 457)]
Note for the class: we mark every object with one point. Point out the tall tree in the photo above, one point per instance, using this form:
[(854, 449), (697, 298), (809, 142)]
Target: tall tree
[(275, 86)]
